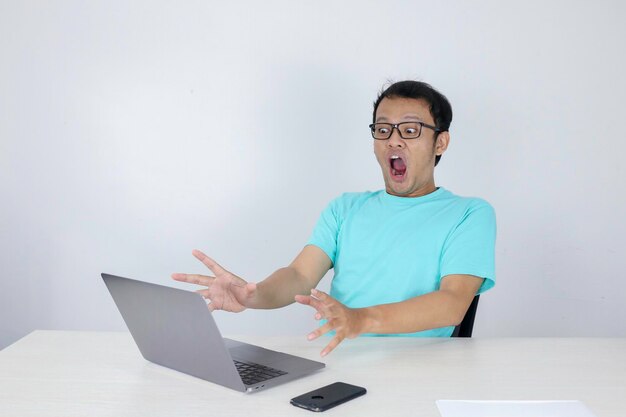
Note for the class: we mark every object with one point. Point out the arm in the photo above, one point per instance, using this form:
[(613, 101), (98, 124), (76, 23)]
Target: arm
[(227, 291), (445, 307), (302, 275)]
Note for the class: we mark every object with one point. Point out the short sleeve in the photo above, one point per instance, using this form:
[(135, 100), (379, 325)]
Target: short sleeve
[(470, 247), (326, 230)]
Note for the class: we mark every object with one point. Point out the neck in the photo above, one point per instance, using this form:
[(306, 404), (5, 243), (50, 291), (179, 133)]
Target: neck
[(421, 191)]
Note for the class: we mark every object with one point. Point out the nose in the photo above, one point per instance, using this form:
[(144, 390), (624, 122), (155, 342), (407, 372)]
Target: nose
[(395, 140)]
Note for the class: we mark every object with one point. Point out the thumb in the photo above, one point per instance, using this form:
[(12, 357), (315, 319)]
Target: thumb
[(251, 286)]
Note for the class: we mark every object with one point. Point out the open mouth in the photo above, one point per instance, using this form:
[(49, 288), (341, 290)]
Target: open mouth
[(397, 167)]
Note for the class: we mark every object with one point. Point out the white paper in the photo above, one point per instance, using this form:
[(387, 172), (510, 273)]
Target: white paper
[(458, 408)]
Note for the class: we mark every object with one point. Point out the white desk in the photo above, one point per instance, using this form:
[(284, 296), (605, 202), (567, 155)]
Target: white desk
[(54, 373)]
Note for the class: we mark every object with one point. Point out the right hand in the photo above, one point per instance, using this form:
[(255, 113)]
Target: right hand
[(225, 291)]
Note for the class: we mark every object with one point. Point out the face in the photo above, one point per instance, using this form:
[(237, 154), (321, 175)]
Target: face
[(408, 165)]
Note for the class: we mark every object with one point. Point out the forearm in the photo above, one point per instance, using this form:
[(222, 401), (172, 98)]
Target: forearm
[(280, 288), (429, 311)]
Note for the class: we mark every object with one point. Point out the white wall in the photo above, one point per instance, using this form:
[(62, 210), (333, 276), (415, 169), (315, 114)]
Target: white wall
[(133, 132)]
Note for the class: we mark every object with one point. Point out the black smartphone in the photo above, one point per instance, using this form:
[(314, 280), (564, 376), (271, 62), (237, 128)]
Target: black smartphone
[(327, 397)]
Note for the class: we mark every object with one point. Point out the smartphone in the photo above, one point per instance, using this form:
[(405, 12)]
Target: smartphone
[(327, 397)]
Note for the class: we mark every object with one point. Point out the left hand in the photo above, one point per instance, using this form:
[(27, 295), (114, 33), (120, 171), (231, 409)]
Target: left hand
[(345, 321)]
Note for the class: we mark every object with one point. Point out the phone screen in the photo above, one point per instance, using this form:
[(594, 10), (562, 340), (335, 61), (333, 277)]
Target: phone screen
[(327, 397)]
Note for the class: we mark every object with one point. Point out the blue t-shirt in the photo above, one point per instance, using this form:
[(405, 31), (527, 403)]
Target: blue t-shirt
[(387, 249)]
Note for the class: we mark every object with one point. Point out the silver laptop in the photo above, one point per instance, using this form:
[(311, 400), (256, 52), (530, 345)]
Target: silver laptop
[(174, 328)]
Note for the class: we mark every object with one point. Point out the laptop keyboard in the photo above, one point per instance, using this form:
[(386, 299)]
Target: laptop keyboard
[(253, 373)]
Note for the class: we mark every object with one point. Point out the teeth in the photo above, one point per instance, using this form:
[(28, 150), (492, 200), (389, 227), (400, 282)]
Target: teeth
[(395, 157)]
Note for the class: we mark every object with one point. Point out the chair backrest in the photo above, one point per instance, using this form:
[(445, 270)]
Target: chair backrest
[(467, 325)]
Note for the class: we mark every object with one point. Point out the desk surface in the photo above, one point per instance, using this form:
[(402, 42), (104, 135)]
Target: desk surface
[(55, 373)]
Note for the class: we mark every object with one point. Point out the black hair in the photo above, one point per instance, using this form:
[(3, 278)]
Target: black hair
[(440, 107)]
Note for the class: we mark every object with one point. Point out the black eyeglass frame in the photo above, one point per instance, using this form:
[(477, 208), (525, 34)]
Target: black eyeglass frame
[(397, 127)]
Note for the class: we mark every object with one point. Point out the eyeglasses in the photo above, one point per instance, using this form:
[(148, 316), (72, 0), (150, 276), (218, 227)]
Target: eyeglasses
[(407, 130)]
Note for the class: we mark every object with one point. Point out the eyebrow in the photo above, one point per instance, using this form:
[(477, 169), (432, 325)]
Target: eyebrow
[(406, 116)]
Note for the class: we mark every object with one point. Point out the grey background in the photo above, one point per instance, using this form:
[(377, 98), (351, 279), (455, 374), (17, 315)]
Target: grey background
[(133, 132)]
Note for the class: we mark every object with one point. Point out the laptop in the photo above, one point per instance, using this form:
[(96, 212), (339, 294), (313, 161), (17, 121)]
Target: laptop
[(174, 328)]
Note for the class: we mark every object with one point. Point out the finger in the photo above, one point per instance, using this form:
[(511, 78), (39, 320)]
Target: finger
[(319, 331), (194, 279), (204, 293), (321, 295), (250, 289), (311, 301), (324, 298), (208, 262), (238, 284), (328, 304), (332, 345), (243, 291), (320, 306), (303, 299), (322, 316)]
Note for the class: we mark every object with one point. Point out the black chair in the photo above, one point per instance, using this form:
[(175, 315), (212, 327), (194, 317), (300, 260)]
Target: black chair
[(467, 325)]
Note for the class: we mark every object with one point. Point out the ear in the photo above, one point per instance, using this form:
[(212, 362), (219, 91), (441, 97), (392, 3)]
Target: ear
[(443, 139)]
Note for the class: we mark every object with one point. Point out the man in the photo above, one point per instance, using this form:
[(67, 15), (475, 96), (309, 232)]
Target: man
[(408, 260)]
